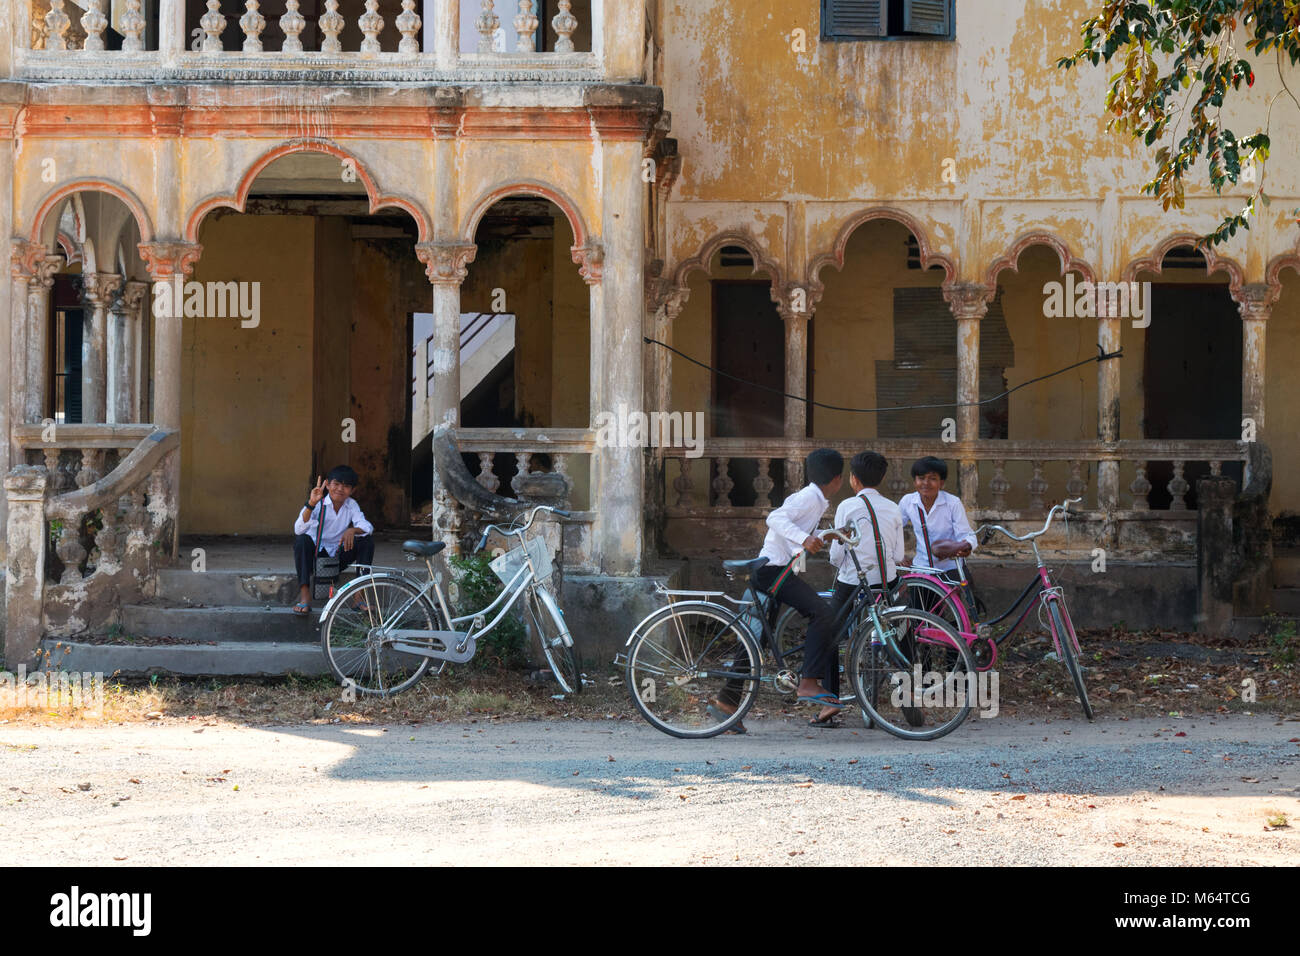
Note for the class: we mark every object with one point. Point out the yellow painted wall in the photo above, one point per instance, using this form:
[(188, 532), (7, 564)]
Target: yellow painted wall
[(246, 400)]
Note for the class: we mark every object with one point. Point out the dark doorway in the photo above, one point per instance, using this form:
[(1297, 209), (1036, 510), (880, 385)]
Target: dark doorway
[(749, 351), (1191, 377)]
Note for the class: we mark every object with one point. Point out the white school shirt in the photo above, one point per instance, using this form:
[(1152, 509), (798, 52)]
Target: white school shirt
[(852, 511), (336, 522), (945, 519), (790, 524)]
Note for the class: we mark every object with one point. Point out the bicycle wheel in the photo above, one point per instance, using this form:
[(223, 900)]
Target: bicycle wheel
[(547, 622), (927, 596), (1066, 644), (925, 694), (356, 650), (693, 671)]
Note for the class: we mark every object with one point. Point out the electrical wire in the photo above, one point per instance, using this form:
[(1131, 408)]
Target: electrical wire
[(1101, 356)]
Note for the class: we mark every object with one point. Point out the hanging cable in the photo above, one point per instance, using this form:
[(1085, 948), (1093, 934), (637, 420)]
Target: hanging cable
[(1101, 356)]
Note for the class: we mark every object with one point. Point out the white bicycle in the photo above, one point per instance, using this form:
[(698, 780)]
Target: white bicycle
[(381, 630)]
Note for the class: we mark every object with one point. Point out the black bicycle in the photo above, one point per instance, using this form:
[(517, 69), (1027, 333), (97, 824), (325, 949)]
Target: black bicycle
[(695, 667)]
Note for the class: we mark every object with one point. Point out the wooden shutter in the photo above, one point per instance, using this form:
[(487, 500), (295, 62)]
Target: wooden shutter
[(927, 16), (846, 19)]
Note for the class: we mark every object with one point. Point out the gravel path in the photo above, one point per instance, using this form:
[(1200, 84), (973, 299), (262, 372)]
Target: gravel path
[(1026, 793)]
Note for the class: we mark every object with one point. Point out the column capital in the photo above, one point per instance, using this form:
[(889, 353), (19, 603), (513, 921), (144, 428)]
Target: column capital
[(591, 261), (24, 256), (795, 302), (99, 289), (167, 258), (968, 300), (132, 294), (1255, 300), (445, 262), (46, 266)]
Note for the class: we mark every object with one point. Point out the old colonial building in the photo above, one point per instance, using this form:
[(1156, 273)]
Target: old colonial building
[(250, 241)]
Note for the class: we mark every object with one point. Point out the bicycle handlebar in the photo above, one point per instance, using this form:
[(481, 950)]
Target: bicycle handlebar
[(849, 535), (482, 541), (1063, 507)]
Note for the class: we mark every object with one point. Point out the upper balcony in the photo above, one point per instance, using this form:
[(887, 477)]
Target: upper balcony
[(327, 41)]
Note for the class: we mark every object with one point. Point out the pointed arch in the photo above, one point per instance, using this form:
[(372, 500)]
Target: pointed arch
[(239, 198), (525, 187), (838, 249), (1011, 258), (1213, 263)]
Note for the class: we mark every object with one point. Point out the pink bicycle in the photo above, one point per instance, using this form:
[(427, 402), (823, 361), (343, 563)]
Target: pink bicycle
[(955, 603)]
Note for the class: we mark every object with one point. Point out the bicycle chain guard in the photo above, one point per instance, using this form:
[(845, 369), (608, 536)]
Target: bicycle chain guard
[(457, 646)]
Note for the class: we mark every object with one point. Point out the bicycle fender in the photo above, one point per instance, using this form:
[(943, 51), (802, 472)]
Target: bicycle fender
[(354, 583), (680, 605)]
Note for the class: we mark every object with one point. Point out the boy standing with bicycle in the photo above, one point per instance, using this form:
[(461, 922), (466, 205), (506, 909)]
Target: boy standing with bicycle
[(937, 518), (789, 534)]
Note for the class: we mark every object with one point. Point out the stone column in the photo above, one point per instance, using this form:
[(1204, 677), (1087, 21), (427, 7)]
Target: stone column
[(171, 30), (445, 264), (24, 564), (131, 402), (795, 310), (38, 326), (24, 259), (1256, 304), (98, 290), (442, 32), (969, 302), (1109, 328), (590, 258), (620, 491), (169, 262)]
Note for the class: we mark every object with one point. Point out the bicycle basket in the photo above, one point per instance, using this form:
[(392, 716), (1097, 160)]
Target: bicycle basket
[(507, 565)]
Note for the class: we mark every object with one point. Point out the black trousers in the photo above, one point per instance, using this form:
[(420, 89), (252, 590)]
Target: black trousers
[(819, 661), (843, 592), (304, 555)]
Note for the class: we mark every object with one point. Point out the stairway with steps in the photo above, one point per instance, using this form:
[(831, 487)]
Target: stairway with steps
[(235, 618), (1286, 582)]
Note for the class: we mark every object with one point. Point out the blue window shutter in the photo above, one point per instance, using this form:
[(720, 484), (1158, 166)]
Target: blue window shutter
[(927, 16), (848, 19)]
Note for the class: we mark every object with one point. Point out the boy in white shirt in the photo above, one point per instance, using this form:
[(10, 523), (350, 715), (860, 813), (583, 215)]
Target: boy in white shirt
[(866, 472), (790, 530), (347, 533), (937, 518)]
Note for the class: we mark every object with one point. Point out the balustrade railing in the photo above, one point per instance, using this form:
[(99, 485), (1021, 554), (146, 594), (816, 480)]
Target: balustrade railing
[(438, 37), (1016, 480), (92, 513)]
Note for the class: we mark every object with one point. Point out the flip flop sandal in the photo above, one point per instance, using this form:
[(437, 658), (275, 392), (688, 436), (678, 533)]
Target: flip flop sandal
[(826, 700), (302, 609)]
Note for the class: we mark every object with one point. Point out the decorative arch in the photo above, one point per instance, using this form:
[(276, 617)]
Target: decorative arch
[(239, 198), (1011, 258), (836, 255), (46, 232), (526, 187), (1283, 260), (1213, 263), (732, 237)]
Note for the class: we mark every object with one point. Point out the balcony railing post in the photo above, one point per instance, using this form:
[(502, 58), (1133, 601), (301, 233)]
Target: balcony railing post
[(442, 32), (171, 29)]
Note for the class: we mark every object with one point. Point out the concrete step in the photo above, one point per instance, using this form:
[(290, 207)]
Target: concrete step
[(1286, 568), (222, 623), (220, 659), (1285, 601), (182, 586)]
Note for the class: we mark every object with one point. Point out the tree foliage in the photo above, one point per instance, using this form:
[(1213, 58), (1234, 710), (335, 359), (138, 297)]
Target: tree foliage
[(1179, 62)]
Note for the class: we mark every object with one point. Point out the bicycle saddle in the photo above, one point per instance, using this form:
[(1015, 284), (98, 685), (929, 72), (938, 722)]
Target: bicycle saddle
[(426, 548), (745, 567)]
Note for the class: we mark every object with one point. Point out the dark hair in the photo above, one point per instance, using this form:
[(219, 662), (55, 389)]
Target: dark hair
[(869, 467), (823, 465), (923, 466), (344, 474)]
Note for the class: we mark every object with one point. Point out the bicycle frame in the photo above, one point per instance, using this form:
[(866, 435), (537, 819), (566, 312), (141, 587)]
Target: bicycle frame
[(452, 645)]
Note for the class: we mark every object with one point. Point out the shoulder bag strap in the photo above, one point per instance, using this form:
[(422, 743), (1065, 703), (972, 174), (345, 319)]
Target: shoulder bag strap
[(925, 532), (880, 550)]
